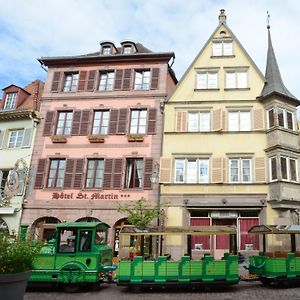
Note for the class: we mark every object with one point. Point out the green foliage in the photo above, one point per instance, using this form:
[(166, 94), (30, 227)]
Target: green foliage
[(17, 255), (140, 212)]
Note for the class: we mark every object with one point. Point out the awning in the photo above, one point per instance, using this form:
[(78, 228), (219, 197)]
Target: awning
[(275, 229), (7, 210)]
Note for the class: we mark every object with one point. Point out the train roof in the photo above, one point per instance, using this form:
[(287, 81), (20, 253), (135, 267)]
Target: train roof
[(275, 229), (83, 225)]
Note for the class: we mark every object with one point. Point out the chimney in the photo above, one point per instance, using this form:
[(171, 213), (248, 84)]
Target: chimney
[(222, 17)]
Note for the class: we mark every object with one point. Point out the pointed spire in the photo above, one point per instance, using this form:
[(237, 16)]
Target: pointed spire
[(222, 17), (273, 83)]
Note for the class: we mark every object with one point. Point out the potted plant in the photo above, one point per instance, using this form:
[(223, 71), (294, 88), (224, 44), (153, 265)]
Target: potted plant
[(16, 260)]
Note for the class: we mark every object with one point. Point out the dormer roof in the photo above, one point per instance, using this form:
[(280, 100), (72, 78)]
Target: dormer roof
[(274, 83)]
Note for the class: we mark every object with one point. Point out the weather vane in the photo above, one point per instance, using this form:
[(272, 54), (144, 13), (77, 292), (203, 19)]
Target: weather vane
[(268, 20)]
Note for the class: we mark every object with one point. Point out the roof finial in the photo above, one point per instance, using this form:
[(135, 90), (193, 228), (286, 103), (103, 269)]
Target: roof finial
[(222, 17), (268, 20)]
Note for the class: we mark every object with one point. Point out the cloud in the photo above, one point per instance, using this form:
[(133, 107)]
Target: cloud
[(32, 29)]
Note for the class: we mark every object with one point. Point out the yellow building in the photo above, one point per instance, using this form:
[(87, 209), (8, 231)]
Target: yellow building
[(214, 165)]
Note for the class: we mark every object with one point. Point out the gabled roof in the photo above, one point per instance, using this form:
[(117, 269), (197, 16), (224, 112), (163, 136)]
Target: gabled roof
[(274, 83), (18, 87)]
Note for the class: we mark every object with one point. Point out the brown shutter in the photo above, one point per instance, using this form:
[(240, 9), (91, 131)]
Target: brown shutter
[(152, 121), (69, 173), (155, 78), (118, 79), (217, 170), (49, 119), (76, 122), (113, 122), (260, 169), (165, 170), (84, 124), (40, 173), (258, 123), (181, 121), (82, 80), (148, 168), (107, 178), (77, 184), (91, 81), (117, 173), (56, 82), (217, 120), (127, 79), (122, 122), (225, 172)]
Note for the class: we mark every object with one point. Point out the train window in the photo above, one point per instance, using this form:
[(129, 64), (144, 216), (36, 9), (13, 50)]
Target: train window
[(85, 240), (101, 237), (67, 241)]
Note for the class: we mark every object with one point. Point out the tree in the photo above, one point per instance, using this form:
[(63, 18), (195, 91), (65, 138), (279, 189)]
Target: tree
[(140, 213)]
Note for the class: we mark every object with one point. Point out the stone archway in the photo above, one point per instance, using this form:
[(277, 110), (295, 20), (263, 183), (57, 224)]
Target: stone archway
[(3, 226), (88, 219), (43, 228), (116, 242)]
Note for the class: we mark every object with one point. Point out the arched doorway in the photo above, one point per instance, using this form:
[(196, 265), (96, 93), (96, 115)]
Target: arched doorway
[(3, 226), (88, 219), (117, 227), (44, 228)]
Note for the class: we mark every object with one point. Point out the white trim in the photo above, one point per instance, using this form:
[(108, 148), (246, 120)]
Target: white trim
[(270, 169)]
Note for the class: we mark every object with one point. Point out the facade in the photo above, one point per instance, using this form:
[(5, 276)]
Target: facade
[(219, 141), (18, 122), (99, 140)]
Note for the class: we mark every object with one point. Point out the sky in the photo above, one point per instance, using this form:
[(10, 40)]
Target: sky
[(32, 29)]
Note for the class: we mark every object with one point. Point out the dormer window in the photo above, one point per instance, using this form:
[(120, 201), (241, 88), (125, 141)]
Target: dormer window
[(222, 48), (106, 50), (10, 101), (127, 49)]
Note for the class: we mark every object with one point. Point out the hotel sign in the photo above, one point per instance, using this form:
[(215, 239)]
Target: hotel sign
[(89, 196)]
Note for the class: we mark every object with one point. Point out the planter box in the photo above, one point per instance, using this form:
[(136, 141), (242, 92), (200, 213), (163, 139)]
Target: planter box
[(96, 139), (135, 138), (58, 139)]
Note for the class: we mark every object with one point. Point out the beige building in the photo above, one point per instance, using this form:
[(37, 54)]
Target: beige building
[(225, 123)]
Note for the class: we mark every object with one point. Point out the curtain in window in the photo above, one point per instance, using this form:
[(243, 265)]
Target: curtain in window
[(129, 173)]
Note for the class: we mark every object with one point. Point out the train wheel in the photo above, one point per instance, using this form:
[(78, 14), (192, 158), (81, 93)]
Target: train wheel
[(266, 281), (71, 287)]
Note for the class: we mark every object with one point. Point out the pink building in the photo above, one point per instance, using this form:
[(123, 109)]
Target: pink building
[(99, 140)]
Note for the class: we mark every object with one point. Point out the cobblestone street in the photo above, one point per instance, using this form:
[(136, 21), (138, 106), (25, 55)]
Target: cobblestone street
[(244, 290)]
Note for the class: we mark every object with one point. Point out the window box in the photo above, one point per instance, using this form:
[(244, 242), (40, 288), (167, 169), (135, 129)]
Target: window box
[(93, 138), (58, 139), (135, 137)]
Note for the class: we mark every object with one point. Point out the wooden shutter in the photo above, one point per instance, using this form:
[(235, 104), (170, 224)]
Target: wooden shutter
[(155, 78), (148, 168), (27, 138), (127, 79), (258, 123), (84, 124), (118, 79), (77, 184), (117, 173), (69, 171), (122, 121), (165, 170), (217, 170), (181, 121), (107, 178), (56, 82), (152, 121), (49, 119), (225, 171), (82, 80), (40, 173), (91, 81), (113, 121), (1, 138), (260, 169), (217, 120), (76, 122)]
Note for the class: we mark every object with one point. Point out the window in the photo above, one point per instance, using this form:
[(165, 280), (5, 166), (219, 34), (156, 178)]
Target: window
[(106, 81), (101, 237), (240, 170), (288, 168), (134, 173), (192, 170), (11, 100), (207, 80), (222, 48), (85, 240), (106, 50), (142, 80), (56, 173), (3, 178), (100, 124), (94, 178), (138, 121), (64, 123), (273, 168), (71, 82), (199, 121), (15, 138), (127, 49), (271, 118), (239, 121), (67, 241), (285, 118), (236, 79)]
